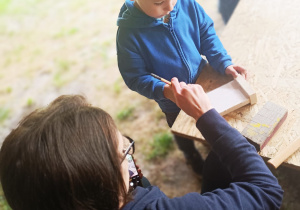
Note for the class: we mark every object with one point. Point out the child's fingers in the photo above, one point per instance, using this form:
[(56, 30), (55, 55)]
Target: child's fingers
[(244, 73), (239, 69), (235, 74)]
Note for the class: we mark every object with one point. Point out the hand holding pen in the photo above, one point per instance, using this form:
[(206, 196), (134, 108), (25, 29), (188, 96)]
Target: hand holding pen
[(191, 98)]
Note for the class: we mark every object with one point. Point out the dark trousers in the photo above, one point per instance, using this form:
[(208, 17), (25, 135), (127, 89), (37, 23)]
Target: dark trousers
[(226, 8), (214, 174), (187, 146)]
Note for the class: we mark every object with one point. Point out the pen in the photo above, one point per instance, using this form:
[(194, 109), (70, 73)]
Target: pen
[(161, 79)]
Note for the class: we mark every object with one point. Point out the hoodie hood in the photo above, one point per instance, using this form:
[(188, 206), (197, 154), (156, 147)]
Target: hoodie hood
[(132, 17)]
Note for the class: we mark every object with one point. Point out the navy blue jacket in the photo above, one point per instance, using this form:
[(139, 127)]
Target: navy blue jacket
[(148, 45), (253, 185)]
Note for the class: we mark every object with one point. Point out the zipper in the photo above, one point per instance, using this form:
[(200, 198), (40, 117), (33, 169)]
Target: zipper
[(181, 54)]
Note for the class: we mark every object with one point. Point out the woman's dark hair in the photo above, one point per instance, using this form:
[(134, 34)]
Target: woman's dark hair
[(63, 156)]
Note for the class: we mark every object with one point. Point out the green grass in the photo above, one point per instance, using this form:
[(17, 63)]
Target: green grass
[(66, 32), (161, 145), (4, 114), (29, 102), (76, 5), (18, 7), (106, 44), (4, 5), (64, 65), (158, 114), (117, 87), (103, 54), (18, 50), (8, 89), (58, 80), (125, 113), (7, 62), (60, 77), (104, 48)]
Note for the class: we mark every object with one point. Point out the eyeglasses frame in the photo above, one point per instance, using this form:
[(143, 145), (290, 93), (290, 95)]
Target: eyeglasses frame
[(129, 147)]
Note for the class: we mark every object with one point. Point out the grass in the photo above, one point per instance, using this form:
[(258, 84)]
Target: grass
[(117, 87), (29, 102), (4, 114), (76, 5), (17, 7), (158, 114), (66, 32), (4, 5), (161, 145), (7, 62), (58, 80), (125, 113), (8, 89), (103, 54), (64, 65), (18, 50), (60, 77)]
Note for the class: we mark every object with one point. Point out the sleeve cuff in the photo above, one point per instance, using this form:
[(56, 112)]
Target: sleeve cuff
[(224, 66), (212, 125), (159, 91)]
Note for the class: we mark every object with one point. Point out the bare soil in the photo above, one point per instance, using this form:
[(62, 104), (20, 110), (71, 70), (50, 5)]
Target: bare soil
[(49, 48)]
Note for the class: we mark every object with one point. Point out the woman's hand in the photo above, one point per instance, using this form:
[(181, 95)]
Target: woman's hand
[(138, 169), (191, 98)]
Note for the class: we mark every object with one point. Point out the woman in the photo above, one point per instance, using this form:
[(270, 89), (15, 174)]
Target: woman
[(60, 156), (70, 155)]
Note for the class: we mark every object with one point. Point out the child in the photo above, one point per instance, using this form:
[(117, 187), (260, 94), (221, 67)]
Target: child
[(167, 38)]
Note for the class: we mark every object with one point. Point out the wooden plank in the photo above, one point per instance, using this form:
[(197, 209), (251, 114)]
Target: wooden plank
[(263, 37), (228, 98), (247, 89), (284, 153), (225, 99), (264, 124)]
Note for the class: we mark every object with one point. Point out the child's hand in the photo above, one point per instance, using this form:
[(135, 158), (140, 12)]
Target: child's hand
[(235, 70), (168, 93)]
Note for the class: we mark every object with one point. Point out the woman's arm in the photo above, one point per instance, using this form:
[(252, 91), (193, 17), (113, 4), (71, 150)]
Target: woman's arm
[(253, 185)]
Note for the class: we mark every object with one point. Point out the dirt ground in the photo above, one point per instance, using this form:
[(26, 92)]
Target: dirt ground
[(49, 48)]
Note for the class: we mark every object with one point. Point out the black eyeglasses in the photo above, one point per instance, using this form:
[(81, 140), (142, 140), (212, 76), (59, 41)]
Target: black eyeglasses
[(129, 149)]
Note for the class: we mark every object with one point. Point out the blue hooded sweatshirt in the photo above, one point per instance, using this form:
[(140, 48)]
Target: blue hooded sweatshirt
[(148, 45)]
